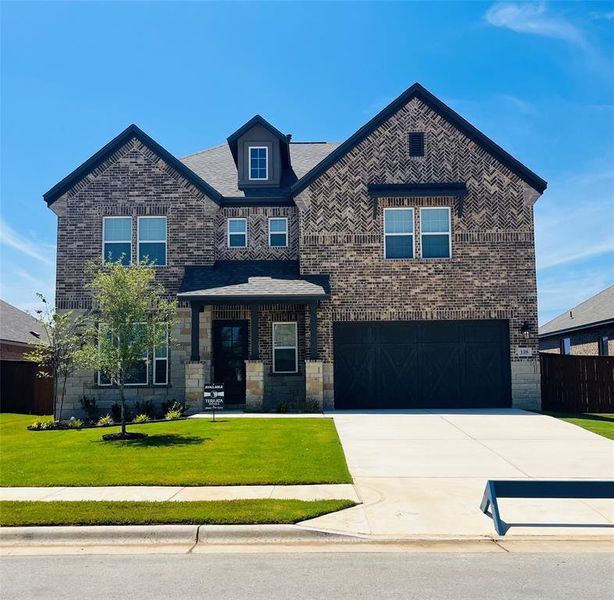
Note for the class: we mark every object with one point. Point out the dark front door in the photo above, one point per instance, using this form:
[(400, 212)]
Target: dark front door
[(422, 364), (229, 356)]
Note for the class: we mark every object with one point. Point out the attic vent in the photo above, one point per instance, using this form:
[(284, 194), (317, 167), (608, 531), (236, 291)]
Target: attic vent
[(35, 334), (416, 143)]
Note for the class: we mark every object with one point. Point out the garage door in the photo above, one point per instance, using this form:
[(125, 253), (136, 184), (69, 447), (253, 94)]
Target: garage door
[(422, 364)]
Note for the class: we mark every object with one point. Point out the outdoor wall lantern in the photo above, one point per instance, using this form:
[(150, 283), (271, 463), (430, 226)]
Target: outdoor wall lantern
[(526, 329)]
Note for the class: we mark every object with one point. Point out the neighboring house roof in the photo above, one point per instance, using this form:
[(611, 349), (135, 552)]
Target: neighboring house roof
[(256, 279), (417, 91), (115, 144), (597, 310), (18, 326), (217, 164)]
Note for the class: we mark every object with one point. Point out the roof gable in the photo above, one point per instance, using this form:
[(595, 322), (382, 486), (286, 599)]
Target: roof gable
[(115, 144), (418, 91)]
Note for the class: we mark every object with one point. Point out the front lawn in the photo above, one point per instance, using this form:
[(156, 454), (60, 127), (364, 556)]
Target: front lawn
[(219, 512), (191, 452), (602, 424)]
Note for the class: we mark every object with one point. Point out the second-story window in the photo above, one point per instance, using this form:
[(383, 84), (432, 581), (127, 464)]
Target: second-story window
[(152, 240), (398, 233), (237, 233), (258, 162), (278, 232), (435, 235), (117, 239)]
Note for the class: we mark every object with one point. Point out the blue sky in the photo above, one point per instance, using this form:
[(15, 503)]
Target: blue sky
[(537, 77)]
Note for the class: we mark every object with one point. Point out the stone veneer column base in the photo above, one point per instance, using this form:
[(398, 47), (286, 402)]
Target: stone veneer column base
[(328, 388), (197, 373), (314, 382), (254, 384), (526, 386)]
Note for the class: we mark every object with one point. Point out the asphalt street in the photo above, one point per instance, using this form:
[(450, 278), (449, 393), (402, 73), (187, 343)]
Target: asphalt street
[(299, 576)]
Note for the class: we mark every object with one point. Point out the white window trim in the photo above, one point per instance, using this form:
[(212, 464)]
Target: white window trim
[(164, 241), (249, 162), (449, 233), (235, 233), (104, 243), (413, 232), (274, 347), (285, 219), (145, 359)]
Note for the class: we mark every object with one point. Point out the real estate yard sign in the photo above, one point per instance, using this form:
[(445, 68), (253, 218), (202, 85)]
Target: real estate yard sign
[(213, 397)]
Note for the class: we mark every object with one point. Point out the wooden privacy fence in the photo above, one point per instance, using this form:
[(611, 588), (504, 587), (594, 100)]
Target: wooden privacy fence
[(22, 391), (577, 383)]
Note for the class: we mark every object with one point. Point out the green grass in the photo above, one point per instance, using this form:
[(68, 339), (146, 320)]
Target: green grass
[(219, 512), (602, 424), (190, 452)]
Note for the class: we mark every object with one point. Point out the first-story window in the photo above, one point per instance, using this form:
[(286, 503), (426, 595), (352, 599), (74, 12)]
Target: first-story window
[(566, 345), (603, 346), (278, 232), (285, 351), (398, 233), (152, 240), (160, 363), (435, 238), (137, 374), (117, 239), (237, 233)]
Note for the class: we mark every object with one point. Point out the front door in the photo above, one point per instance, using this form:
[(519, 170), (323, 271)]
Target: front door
[(229, 356)]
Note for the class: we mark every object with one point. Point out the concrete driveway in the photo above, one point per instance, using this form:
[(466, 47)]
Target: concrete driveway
[(422, 473)]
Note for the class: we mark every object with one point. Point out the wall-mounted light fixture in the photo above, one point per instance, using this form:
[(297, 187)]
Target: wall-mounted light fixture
[(526, 329)]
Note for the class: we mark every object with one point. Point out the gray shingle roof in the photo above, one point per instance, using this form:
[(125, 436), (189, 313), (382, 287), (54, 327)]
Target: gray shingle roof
[(17, 325), (251, 278), (597, 309), (218, 168)]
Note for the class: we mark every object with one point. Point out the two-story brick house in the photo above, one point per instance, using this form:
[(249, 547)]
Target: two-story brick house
[(393, 270)]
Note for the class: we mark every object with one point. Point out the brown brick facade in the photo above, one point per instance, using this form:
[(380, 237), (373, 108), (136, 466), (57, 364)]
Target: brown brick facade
[(335, 228), (583, 343)]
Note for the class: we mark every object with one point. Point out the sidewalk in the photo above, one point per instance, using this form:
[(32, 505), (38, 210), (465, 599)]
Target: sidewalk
[(181, 494)]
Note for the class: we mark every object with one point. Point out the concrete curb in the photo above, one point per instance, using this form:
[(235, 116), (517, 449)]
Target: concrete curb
[(103, 535)]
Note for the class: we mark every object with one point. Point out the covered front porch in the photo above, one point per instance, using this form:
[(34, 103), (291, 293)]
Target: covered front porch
[(254, 328)]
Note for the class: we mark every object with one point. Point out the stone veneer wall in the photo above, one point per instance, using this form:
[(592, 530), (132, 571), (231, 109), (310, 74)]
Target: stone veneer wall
[(491, 274)]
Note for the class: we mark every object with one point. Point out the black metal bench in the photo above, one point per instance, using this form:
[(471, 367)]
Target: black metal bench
[(530, 488)]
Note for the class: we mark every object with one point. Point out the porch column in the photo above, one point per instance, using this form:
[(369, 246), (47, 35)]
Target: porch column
[(254, 333), (313, 331), (195, 354)]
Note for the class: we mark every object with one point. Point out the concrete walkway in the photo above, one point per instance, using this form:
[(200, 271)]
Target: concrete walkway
[(179, 494), (424, 472)]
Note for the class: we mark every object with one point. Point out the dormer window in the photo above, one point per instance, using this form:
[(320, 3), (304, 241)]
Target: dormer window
[(258, 163)]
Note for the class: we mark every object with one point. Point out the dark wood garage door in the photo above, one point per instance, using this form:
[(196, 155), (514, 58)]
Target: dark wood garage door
[(422, 364)]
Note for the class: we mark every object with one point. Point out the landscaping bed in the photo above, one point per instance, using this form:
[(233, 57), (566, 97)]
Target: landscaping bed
[(219, 512), (182, 453)]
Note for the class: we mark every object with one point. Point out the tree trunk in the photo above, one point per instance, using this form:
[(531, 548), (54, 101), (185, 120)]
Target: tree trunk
[(56, 413), (63, 394), (123, 406)]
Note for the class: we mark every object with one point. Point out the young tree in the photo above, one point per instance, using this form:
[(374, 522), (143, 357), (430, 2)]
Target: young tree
[(56, 359), (131, 317)]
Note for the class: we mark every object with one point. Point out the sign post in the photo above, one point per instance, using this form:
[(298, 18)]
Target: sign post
[(213, 398)]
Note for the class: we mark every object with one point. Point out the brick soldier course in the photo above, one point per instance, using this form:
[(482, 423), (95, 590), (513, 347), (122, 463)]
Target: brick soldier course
[(335, 234)]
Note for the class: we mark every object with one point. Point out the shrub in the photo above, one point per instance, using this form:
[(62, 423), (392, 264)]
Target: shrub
[(142, 418), (173, 414), (175, 406), (106, 420), (73, 423), (41, 424), (145, 407), (116, 413), (89, 407)]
